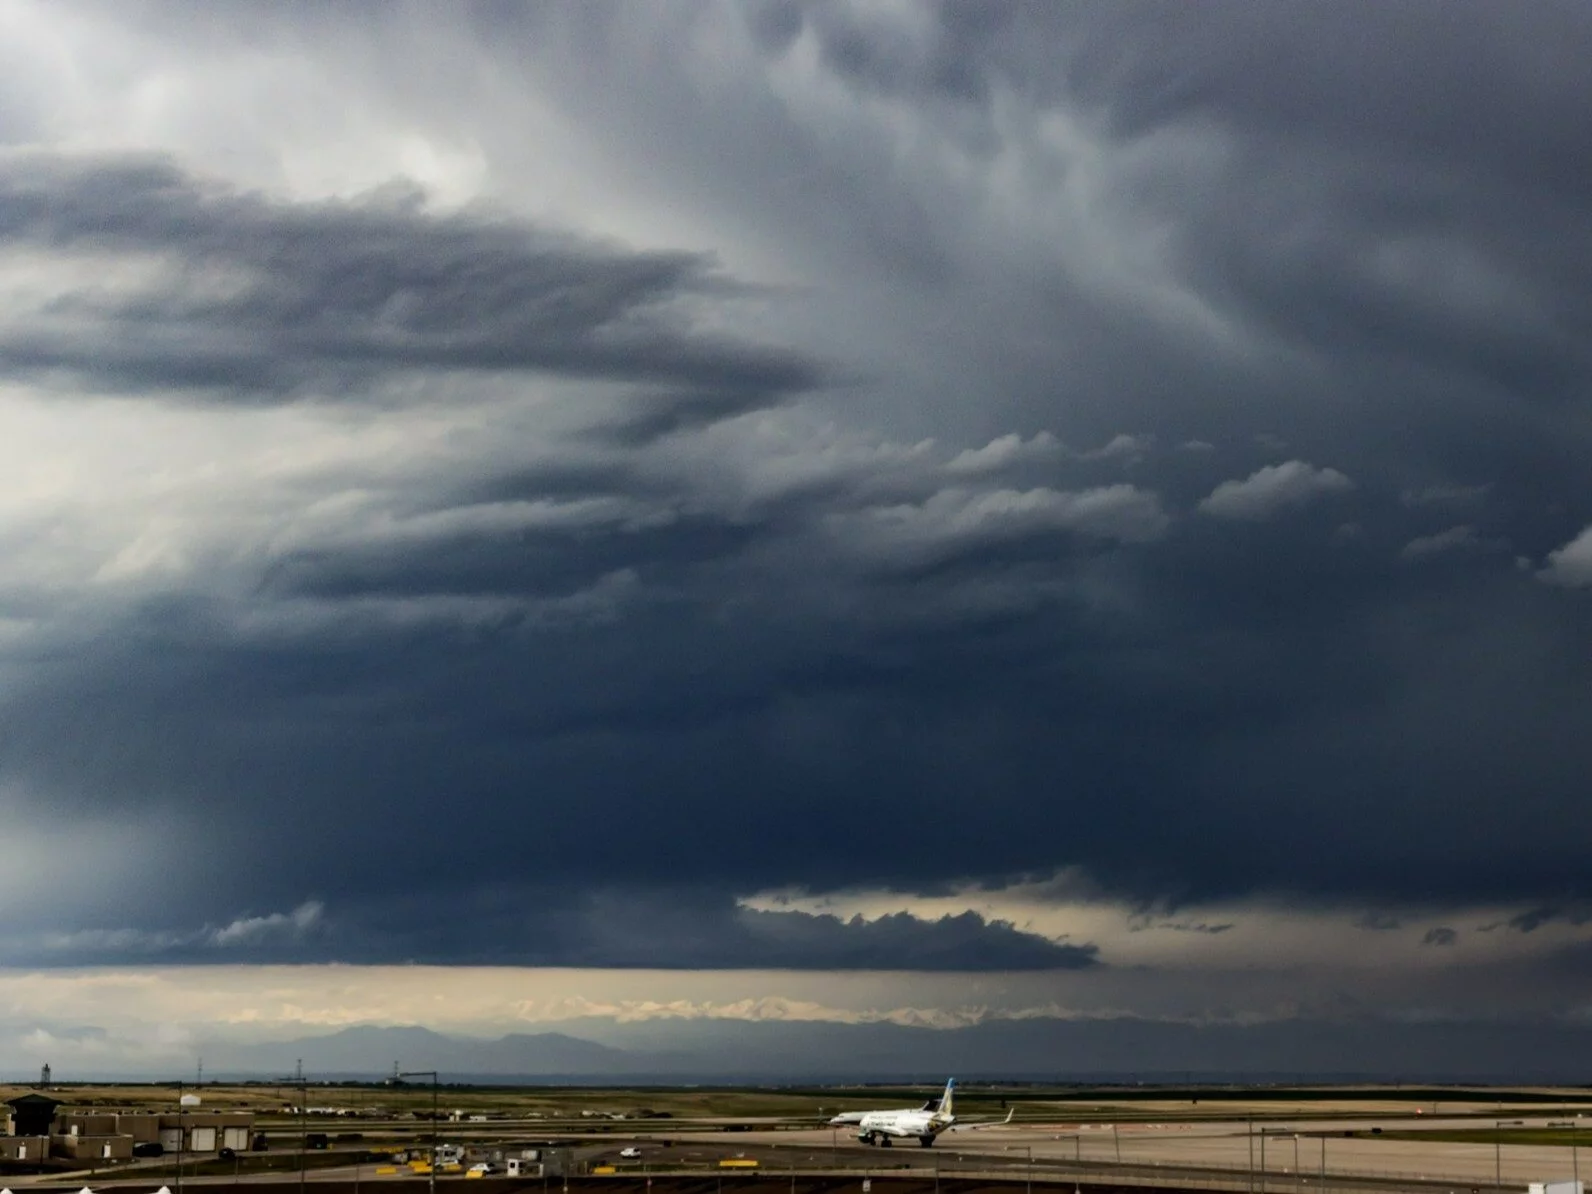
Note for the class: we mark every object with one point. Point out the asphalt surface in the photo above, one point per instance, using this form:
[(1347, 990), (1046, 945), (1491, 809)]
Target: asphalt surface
[(1271, 1157)]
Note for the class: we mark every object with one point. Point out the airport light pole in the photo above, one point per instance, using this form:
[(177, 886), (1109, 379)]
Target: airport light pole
[(1498, 1160), (1249, 1132), (304, 1129), (432, 1074), (1029, 1149), (1296, 1160), (179, 1136)]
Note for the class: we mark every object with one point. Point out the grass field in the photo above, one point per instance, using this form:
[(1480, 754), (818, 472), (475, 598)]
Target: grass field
[(377, 1101)]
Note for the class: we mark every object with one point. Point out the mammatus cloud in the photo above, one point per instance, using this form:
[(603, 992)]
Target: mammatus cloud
[(1273, 488)]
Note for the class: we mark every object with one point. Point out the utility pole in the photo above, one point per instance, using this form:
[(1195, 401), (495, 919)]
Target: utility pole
[(432, 1074)]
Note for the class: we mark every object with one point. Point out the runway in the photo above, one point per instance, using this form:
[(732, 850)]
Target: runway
[(1282, 1156)]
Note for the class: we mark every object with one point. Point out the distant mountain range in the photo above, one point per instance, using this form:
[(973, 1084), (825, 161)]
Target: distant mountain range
[(375, 1050), (674, 1050)]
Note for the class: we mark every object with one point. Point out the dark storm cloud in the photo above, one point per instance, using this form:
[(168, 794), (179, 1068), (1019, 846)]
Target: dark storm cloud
[(1533, 919), (682, 647), (670, 929), (257, 300), (1339, 186), (1377, 210), (516, 559), (1379, 922)]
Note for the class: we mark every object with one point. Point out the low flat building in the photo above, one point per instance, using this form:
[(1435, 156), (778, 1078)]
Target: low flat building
[(92, 1148), (24, 1148), (184, 1131)]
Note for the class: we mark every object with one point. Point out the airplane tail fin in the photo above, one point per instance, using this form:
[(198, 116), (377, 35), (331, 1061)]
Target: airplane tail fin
[(945, 1099)]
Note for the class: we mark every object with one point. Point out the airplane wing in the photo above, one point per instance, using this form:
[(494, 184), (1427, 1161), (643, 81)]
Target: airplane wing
[(993, 1123)]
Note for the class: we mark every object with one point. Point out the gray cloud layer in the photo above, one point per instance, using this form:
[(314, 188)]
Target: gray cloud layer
[(272, 302), (902, 586)]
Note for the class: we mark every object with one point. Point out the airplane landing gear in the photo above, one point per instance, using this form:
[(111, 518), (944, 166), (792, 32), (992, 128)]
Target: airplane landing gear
[(926, 1141)]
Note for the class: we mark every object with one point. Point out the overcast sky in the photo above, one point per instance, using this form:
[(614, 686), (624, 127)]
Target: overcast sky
[(1089, 501)]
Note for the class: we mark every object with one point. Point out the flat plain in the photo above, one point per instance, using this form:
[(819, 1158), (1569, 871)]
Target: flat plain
[(1269, 1139)]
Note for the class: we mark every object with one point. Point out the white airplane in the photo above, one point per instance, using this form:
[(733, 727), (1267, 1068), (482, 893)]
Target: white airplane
[(925, 1123)]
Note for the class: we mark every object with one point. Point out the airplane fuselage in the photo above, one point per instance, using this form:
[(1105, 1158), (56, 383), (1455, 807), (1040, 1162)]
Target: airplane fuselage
[(880, 1127), (924, 1123)]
